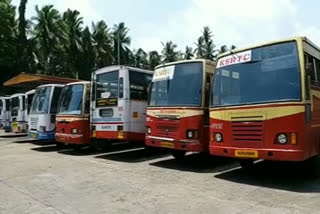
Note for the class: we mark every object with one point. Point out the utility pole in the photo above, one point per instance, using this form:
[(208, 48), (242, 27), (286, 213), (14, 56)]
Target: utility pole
[(118, 48)]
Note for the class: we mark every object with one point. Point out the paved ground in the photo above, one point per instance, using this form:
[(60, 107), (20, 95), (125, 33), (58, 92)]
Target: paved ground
[(39, 179)]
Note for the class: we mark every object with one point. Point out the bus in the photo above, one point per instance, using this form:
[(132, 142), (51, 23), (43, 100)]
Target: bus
[(42, 117), (72, 120), (178, 109), (18, 117), (266, 102), (118, 105), (29, 97), (6, 114)]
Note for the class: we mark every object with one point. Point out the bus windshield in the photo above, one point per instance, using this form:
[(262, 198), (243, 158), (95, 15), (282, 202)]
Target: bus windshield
[(14, 106), (177, 85), (107, 89), (70, 102), (29, 102), (41, 100), (269, 74)]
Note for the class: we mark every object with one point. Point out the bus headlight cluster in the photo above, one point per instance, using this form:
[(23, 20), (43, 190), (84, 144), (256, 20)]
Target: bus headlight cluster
[(148, 130), (282, 138), (74, 131), (218, 137), (42, 129)]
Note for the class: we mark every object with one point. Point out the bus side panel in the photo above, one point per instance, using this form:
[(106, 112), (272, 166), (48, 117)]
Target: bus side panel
[(314, 136)]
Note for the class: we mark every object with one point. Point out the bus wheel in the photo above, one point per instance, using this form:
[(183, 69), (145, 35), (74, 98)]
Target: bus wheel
[(246, 163), (179, 155), (59, 145), (99, 145)]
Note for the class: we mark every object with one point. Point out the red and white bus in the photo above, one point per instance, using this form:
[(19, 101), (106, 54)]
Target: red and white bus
[(266, 102), (178, 110), (72, 120), (119, 101)]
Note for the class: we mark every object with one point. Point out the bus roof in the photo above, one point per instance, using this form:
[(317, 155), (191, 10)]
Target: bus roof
[(118, 67), (49, 85), (31, 81), (297, 38), (187, 61), (31, 92), (78, 83), (17, 95)]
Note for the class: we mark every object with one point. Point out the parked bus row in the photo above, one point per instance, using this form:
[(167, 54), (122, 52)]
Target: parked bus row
[(259, 102)]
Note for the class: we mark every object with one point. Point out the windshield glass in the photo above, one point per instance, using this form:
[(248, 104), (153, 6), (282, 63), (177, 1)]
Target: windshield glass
[(41, 100), (269, 74), (177, 85), (70, 102), (14, 106), (107, 89), (29, 101)]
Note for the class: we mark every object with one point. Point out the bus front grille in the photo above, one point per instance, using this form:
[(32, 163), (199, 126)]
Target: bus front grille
[(247, 131), (166, 131), (33, 123)]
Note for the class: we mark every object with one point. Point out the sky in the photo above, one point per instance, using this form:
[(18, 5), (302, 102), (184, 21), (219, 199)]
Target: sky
[(232, 22)]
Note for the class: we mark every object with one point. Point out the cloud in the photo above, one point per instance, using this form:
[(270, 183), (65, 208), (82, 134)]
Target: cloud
[(232, 22)]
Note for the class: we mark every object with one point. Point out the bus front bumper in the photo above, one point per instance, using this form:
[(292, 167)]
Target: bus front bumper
[(76, 139), (42, 135), (184, 145), (259, 153)]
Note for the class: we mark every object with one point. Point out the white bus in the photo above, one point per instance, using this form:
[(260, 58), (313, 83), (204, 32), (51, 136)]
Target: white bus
[(119, 97), (42, 117), (4, 112), (18, 118), (29, 98)]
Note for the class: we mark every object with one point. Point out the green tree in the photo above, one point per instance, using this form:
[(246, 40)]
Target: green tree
[(103, 46), (50, 33), (154, 59), (209, 47), (200, 48), (121, 41), (169, 52), (73, 45), (87, 56), (223, 49), (188, 54), (8, 40), (141, 59)]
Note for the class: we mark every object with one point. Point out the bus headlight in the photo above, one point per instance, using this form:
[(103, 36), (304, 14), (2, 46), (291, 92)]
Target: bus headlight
[(282, 138), (192, 134), (74, 131), (149, 130), (218, 137)]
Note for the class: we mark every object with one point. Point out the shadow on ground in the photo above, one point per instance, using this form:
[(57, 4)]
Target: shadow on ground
[(135, 155), (296, 177), (200, 163), (87, 151)]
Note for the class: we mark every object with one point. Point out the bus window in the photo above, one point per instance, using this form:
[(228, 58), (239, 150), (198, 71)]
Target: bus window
[(1, 107), (121, 87), (55, 99), (23, 103), (139, 83)]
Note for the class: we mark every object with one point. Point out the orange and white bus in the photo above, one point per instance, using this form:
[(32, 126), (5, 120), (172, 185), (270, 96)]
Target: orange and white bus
[(266, 102), (72, 120), (178, 110)]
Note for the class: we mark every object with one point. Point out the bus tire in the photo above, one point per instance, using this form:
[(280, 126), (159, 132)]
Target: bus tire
[(59, 145), (99, 145), (179, 155), (246, 163)]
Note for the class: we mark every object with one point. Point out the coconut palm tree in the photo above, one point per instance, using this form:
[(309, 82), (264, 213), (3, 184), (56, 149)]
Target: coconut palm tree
[(50, 33), (200, 49), (103, 45), (154, 59), (141, 59), (209, 47), (169, 52), (73, 45), (121, 42), (188, 54)]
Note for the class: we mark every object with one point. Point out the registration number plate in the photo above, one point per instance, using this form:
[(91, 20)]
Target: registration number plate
[(34, 135), (246, 154), (167, 145)]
